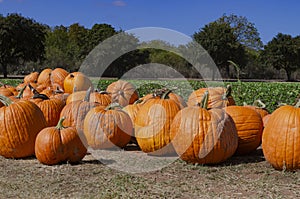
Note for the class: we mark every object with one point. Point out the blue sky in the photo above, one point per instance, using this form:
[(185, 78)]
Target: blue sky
[(187, 17)]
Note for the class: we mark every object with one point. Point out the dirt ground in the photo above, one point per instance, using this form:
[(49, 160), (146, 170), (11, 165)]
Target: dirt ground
[(240, 177)]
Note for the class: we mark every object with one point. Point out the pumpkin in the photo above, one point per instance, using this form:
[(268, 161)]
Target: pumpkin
[(76, 81), (58, 144), (122, 92), (51, 108), (219, 97), (31, 78), (108, 127), (44, 77), (152, 125), (20, 122), (58, 76), (259, 107), (76, 111), (204, 136), (6, 92), (281, 138), (266, 119), (157, 94), (249, 127), (102, 97)]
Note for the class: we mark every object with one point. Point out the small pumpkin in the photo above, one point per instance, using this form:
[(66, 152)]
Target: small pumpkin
[(58, 76), (44, 77), (102, 97), (219, 97), (153, 123), (249, 127), (107, 127), (122, 92), (204, 136), (281, 138), (31, 78), (20, 122), (76, 80), (59, 144)]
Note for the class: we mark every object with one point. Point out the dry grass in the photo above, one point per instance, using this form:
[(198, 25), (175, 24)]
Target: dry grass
[(240, 177)]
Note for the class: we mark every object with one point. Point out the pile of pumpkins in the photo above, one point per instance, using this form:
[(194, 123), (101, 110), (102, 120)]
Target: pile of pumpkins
[(56, 116)]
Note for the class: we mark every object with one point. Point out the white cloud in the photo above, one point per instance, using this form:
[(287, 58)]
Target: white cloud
[(118, 3)]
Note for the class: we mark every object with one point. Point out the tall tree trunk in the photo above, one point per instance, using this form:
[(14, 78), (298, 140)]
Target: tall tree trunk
[(4, 70), (289, 75)]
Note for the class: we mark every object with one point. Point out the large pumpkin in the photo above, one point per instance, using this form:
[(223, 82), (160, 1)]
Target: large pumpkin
[(44, 77), (59, 144), (20, 122), (281, 138), (107, 127), (76, 81), (204, 136), (153, 123), (31, 78), (51, 108), (219, 97), (249, 127), (122, 92), (102, 97)]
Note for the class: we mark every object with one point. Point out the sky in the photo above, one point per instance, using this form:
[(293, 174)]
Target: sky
[(270, 17)]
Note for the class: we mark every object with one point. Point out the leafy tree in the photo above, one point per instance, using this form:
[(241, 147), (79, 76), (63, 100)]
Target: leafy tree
[(21, 40), (282, 52), (244, 30), (219, 40)]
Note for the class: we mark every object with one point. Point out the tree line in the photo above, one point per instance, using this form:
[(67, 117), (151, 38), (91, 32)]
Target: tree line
[(232, 42)]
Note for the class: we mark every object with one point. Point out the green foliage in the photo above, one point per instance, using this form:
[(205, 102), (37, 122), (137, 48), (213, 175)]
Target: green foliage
[(282, 52), (21, 40)]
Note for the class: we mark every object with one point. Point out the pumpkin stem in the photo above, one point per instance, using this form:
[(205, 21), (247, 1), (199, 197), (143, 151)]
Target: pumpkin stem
[(88, 94), (60, 125), (5, 100), (259, 103), (20, 94), (204, 101), (227, 94), (103, 92), (166, 94), (297, 105), (138, 101), (40, 96), (113, 106)]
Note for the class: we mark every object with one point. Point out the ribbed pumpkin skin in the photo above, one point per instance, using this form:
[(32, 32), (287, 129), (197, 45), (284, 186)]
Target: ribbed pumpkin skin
[(281, 138), (6, 92), (58, 76), (103, 99), (31, 78), (44, 77), (263, 112), (123, 92), (203, 136), (177, 98), (54, 146), (216, 97), (105, 129), (249, 127), (51, 109), (20, 122), (153, 123)]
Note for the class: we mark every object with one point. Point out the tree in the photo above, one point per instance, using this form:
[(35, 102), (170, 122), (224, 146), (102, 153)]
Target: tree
[(282, 52), (219, 40), (21, 40), (244, 30)]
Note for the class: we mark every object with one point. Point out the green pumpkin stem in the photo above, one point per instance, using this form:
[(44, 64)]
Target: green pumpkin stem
[(113, 106), (297, 105), (204, 101), (166, 94), (258, 103), (5, 100), (60, 125), (20, 94), (227, 94), (88, 95)]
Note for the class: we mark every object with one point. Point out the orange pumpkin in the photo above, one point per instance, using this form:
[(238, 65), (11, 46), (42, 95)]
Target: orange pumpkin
[(76, 81), (44, 77), (59, 144), (259, 107), (249, 127), (107, 127), (58, 76), (51, 108), (122, 92), (219, 97), (204, 136), (20, 122), (281, 138), (153, 123), (103, 98), (31, 78)]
